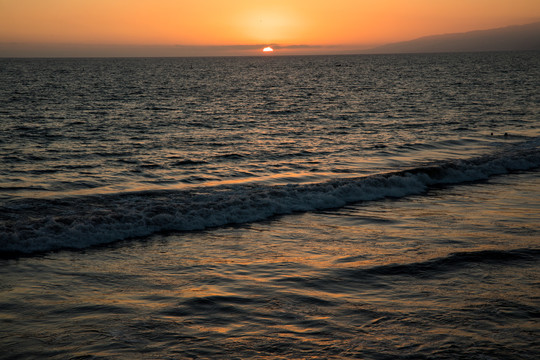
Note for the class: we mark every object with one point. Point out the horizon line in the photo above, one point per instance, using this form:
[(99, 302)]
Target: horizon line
[(21, 49)]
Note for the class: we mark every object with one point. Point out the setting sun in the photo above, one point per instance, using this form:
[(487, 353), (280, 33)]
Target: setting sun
[(239, 27)]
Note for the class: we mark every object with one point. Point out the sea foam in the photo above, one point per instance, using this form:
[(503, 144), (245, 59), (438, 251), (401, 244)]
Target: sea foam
[(38, 225)]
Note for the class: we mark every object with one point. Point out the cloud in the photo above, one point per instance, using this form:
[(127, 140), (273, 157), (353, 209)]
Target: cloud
[(108, 50)]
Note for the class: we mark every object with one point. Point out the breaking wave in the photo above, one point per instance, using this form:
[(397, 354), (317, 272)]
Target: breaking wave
[(38, 225)]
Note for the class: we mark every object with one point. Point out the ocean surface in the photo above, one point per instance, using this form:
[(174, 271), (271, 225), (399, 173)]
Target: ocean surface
[(273, 207)]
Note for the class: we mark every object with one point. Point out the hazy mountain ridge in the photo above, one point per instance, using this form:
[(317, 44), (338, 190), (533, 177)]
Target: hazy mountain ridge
[(510, 38)]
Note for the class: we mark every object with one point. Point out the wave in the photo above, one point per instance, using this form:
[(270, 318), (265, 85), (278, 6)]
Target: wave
[(451, 262), (40, 225), (377, 276)]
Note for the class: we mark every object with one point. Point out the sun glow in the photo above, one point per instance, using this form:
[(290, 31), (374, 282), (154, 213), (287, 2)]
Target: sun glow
[(241, 27), (268, 49)]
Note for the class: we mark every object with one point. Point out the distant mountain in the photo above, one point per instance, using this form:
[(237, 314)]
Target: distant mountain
[(511, 38)]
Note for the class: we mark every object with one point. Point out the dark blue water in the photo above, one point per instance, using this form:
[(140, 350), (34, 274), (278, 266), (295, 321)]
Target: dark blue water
[(372, 207)]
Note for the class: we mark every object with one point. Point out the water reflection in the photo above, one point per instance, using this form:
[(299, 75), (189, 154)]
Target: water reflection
[(434, 276)]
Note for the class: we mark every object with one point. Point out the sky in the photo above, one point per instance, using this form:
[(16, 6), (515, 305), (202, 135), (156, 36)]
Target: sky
[(240, 27)]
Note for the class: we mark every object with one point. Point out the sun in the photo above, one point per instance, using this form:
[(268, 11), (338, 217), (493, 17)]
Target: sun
[(268, 49)]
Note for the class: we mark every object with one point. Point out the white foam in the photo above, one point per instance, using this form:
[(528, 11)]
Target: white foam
[(42, 225)]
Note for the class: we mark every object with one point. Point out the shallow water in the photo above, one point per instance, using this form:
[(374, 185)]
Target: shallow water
[(448, 274)]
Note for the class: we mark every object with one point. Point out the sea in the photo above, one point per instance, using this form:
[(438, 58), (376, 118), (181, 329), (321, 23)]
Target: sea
[(271, 207)]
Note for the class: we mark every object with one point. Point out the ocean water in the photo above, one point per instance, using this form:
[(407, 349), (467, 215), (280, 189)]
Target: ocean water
[(371, 207)]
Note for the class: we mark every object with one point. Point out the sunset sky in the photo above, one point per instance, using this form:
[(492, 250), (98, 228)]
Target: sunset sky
[(236, 27)]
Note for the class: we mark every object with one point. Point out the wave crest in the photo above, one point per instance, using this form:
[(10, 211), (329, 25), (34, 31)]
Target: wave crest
[(37, 225)]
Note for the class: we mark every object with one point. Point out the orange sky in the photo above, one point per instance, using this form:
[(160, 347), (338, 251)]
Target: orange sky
[(339, 23)]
